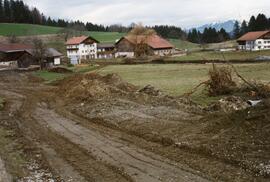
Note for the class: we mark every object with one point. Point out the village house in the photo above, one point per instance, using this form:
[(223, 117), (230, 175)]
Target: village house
[(80, 48), (105, 51), (254, 41), (22, 56), (156, 45)]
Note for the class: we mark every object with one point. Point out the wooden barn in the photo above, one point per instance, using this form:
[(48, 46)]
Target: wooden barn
[(153, 45), (22, 56)]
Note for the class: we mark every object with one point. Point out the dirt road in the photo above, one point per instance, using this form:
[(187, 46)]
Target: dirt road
[(4, 176), (69, 151), (137, 163)]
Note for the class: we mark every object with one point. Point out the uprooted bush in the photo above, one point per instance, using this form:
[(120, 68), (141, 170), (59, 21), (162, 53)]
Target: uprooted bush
[(256, 89), (220, 81)]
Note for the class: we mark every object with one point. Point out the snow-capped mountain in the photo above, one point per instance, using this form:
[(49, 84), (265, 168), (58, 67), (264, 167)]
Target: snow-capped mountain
[(227, 25)]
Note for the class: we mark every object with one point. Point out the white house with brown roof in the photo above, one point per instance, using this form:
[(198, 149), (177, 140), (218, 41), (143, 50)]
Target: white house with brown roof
[(79, 48), (156, 45), (254, 41)]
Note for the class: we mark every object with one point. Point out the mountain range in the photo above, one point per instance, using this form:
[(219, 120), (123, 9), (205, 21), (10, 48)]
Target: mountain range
[(227, 25)]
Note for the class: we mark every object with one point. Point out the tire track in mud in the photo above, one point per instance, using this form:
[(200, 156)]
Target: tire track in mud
[(68, 160), (135, 162), (4, 176)]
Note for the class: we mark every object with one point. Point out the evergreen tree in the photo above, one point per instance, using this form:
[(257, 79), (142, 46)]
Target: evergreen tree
[(261, 22), (236, 30), (1, 11), (223, 35), (193, 36), (244, 28), (252, 24), (7, 13)]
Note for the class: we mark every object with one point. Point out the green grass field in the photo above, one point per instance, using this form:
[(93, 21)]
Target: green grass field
[(7, 29), (181, 44), (178, 79), (212, 55), (50, 77)]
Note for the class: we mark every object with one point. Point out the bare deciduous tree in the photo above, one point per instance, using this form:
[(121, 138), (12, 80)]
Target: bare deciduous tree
[(71, 31), (140, 34), (39, 51)]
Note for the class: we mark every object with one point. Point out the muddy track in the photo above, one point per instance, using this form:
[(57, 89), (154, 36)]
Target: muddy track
[(4, 176), (76, 153), (137, 163)]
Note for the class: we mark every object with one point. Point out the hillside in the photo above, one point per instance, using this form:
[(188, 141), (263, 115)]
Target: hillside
[(7, 29), (181, 44)]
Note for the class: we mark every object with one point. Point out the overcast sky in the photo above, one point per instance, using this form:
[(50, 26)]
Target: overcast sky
[(184, 13)]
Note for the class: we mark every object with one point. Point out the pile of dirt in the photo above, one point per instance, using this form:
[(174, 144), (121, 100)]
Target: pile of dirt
[(241, 138), (59, 70), (229, 104), (92, 86)]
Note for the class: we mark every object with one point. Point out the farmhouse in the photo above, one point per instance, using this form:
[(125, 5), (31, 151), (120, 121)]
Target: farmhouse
[(155, 46), (22, 56), (79, 48), (255, 41), (105, 51)]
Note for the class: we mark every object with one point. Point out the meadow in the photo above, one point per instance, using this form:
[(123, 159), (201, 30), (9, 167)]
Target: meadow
[(175, 79), (8, 29)]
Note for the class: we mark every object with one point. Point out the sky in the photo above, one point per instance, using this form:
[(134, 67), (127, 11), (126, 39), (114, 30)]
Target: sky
[(183, 13)]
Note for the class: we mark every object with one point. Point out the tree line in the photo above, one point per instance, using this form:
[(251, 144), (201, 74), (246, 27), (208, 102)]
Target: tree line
[(209, 35), (259, 23)]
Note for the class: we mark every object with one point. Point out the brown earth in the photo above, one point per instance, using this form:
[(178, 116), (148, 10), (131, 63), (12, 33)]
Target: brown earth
[(100, 128)]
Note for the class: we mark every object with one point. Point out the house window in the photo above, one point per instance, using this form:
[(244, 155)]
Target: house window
[(259, 42), (259, 47)]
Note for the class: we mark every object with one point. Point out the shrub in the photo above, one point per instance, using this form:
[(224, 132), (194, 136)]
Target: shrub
[(220, 81)]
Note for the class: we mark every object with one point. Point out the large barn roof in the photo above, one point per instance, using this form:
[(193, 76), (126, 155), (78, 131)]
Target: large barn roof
[(250, 36), (14, 47), (154, 41)]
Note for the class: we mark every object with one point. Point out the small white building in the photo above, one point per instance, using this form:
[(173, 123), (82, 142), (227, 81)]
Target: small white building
[(79, 48), (255, 41)]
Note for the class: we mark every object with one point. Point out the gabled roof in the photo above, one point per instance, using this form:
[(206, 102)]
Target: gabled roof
[(154, 41), (79, 40), (50, 52), (14, 47), (253, 35)]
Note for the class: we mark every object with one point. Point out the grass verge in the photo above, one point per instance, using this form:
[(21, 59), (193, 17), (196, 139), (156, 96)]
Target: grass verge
[(215, 55), (50, 77)]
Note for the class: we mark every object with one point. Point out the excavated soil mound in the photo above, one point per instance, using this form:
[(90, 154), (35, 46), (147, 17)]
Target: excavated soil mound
[(92, 86), (86, 88)]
